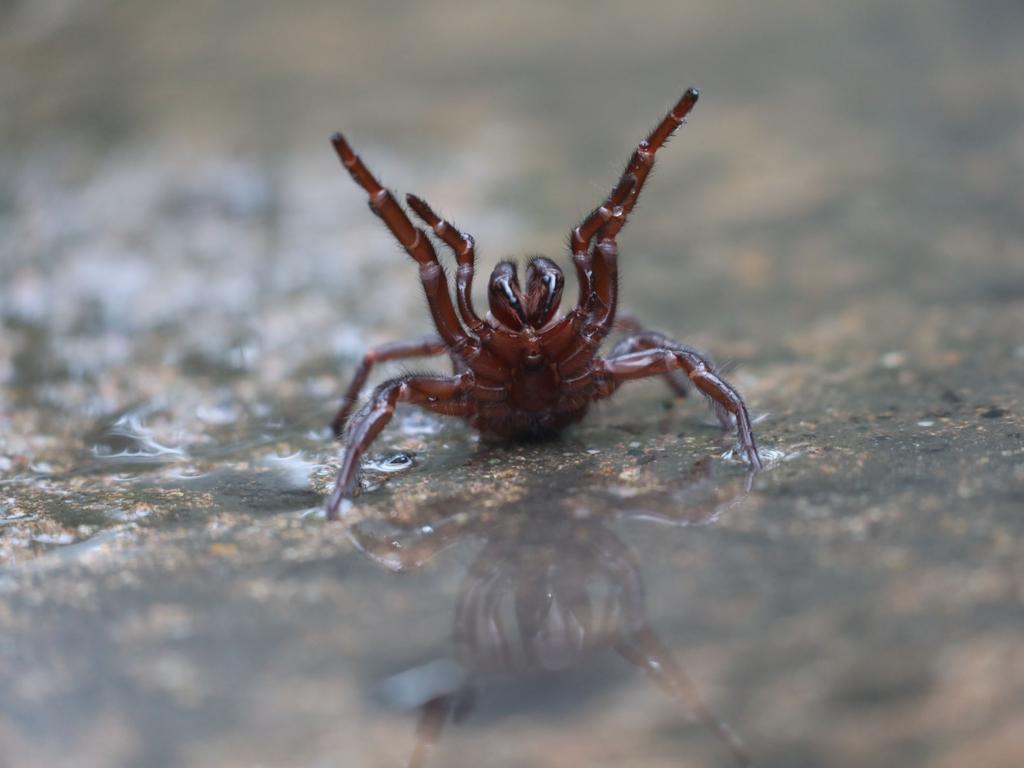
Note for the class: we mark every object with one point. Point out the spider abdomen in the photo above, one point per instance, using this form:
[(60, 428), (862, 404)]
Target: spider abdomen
[(505, 423), (535, 406), (534, 389)]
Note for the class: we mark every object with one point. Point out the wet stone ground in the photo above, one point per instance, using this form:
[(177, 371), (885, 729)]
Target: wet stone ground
[(187, 280)]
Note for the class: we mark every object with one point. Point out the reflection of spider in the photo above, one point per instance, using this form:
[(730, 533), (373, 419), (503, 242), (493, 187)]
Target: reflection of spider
[(525, 371), (546, 592)]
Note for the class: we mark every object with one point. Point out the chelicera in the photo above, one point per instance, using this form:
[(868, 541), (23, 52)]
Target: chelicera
[(524, 371)]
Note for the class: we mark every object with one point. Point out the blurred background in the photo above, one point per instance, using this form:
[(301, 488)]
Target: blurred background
[(187, 279)]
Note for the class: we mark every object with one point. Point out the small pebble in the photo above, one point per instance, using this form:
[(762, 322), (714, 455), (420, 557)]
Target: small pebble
[(893, 359)]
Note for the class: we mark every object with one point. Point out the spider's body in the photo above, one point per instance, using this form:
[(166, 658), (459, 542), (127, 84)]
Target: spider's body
[(524, 371)]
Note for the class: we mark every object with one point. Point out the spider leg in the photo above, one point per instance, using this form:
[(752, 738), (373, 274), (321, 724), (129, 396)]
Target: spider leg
[(441, 394), (627, 322), (606, 277), (464, 248), (650, 340), (601, 273), (659, 360), (563, 340), (643, 649), (433, 715), (592, 323), (644, 339), (416, 243), (582, 235), (432, 345), (642, 161)]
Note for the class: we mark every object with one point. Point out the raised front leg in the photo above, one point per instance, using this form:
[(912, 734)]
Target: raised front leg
[(567, 340), (464, 248), (642, 161), (416, 243), (582, 235), (397, 350), (439, 394), (655, 362), (597, 266), (606, 247)]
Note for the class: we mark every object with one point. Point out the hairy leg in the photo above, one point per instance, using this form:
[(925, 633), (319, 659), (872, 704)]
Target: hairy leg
[(464, 248), (582, 235), (432, 345), (416, 243), (628, 322), (565, 341), (440, 394), (644, 339), (658, 361), (606, 250), (598, 267), (642, 161)]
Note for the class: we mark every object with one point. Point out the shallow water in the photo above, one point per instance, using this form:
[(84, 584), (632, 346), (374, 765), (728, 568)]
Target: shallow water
[(188, 279)]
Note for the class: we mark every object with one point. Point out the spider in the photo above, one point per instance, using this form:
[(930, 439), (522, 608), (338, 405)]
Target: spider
[(524, 371)]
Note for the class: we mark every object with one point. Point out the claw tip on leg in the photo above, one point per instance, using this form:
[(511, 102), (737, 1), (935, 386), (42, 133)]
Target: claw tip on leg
[(756, 463), (337, 506), (341, 145), (419, 206)]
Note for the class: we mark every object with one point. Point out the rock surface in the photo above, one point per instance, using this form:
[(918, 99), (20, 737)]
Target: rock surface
[(187, 280)]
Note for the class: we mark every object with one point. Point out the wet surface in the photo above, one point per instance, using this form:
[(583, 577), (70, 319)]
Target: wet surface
[(188, 279)]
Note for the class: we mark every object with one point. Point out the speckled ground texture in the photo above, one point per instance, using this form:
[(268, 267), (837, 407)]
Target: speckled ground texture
[(187, 279)]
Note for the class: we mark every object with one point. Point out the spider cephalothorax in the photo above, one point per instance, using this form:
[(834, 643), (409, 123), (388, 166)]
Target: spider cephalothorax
[(524, 370)]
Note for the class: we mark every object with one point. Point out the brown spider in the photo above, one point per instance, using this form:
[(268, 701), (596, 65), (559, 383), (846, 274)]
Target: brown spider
[(525, 371)]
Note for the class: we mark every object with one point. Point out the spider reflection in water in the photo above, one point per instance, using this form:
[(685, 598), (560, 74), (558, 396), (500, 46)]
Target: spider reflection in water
[(547, 591)]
